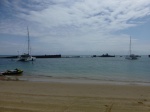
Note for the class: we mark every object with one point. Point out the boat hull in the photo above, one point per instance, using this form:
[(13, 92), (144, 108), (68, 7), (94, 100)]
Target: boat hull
[(131, 57), (12, 72), (26, 57)]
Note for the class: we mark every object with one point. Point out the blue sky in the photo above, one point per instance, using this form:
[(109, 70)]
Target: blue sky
[(75, 26)]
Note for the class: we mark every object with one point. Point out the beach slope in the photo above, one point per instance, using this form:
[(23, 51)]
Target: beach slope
[(24, 96)]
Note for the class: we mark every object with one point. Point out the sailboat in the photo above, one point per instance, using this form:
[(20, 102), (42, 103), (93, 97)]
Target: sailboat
[(131, 56), (27, 56)]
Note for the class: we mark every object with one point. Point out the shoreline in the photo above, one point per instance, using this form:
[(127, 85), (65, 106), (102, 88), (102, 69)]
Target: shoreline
[(30, 96), (76, 80)]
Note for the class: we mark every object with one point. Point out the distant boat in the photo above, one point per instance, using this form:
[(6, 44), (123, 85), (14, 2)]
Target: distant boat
[(27, 56), (107, 55), (104, 55), (131, 56)]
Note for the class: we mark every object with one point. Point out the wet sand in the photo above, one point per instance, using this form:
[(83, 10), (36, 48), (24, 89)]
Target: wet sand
[(25, 96)]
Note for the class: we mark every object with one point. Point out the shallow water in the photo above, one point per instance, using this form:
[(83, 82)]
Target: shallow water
[(116, 69)]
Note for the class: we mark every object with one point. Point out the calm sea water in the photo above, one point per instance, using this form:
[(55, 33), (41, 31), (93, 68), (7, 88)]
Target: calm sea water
[(116, 69)]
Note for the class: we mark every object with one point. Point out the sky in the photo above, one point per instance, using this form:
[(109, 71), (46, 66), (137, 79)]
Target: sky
[(75, 27)]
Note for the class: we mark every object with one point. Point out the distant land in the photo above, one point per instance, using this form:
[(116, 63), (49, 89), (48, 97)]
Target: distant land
[(37, 56), (68, 56)]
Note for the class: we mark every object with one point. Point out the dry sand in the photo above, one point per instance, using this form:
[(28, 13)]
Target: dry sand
[(24, 96)]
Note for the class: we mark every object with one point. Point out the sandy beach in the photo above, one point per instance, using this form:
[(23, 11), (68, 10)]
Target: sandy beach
[(25, 96)]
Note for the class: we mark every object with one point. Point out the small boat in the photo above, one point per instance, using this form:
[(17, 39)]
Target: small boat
[(12, 72), (131, 56), (26, 56)]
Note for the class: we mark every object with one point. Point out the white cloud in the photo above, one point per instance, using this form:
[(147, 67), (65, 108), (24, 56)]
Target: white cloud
[(83, 15), (91, 15), (82, 25)]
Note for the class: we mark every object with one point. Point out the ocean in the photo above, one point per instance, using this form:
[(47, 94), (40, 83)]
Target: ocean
[(83, 69)]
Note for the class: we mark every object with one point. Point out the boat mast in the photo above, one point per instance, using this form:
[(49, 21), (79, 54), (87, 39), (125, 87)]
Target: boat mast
[(28, 41), (130, 45)]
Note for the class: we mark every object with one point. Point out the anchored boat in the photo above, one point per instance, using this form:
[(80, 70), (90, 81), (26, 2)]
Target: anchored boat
[(27, 56), (131, 56)]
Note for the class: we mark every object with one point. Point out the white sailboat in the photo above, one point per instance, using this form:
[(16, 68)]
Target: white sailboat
[(27, 56), (131, 56)]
